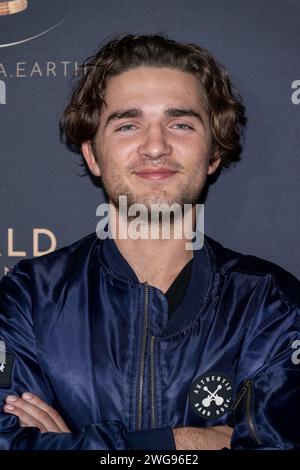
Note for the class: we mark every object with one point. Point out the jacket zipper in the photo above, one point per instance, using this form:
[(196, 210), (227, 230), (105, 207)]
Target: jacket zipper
[(247, 389), (152, 380), (142, 367)]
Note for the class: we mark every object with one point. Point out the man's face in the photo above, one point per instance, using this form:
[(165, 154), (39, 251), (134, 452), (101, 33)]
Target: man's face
[(153, 141)]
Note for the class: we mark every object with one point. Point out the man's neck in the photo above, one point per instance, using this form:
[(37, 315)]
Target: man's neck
[(156, 261)]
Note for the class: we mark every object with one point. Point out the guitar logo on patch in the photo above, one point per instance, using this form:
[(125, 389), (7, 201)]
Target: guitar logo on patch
[(210, 395)]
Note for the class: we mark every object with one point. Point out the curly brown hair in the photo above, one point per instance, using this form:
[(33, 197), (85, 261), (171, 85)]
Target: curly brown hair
[(81, 117)]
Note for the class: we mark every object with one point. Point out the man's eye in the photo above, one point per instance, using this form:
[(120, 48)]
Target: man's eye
[(125, 127), (185, 126)]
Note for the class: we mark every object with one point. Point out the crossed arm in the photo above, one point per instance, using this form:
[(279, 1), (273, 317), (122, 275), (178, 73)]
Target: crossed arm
[(34, 412)]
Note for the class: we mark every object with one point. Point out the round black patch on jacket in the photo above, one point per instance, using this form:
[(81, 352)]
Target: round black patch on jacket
[(210, 395)]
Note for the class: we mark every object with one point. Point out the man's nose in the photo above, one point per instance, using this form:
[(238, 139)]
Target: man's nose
[(154, 144)]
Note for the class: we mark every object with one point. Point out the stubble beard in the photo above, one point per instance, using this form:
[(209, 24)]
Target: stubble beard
[(189, 193)]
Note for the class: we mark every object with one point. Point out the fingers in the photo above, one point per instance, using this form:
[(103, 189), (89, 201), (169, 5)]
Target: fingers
[(32, 411), (26, 420), (37, 402), (26, 417)]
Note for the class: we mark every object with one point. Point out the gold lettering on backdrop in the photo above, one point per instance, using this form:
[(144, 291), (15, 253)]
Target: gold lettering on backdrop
[(13, 6), (36, 234), (10, 244)]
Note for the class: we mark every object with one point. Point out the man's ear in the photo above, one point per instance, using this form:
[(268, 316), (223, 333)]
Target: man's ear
[(213, 165), (90, 158)]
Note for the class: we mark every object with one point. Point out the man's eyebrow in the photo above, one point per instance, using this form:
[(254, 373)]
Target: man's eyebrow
[(181, 112), (121, 113), (137, 112)]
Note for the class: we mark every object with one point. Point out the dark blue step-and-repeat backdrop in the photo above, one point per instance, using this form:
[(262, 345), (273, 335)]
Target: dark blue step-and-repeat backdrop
[(47, 203)]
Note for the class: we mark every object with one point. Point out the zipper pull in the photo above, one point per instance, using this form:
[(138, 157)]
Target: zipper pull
[(240, 395)]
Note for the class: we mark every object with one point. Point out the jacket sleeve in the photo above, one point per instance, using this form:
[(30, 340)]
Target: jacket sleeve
[(266, 411), (21, 372)]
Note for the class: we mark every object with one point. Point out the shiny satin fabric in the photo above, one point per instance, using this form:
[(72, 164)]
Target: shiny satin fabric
[(98, 346)]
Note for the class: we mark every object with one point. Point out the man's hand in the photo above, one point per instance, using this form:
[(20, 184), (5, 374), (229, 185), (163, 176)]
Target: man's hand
[(214, 438), (34, 412)]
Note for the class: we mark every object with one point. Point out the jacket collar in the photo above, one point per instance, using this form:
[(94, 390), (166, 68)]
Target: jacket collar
[(115, 263), (197, 295), (198, 291)]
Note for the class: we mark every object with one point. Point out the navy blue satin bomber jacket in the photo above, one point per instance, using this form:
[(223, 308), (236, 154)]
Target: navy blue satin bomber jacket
[(97, 345)]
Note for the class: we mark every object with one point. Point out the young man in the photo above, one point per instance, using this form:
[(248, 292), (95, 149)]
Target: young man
[(128, 343)]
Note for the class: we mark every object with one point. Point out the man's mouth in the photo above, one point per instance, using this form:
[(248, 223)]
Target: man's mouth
[(155, 173)]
